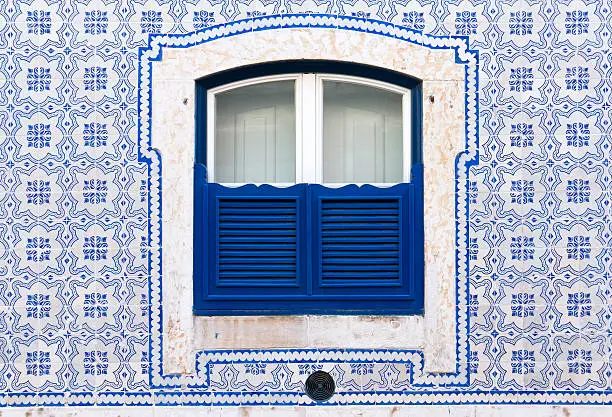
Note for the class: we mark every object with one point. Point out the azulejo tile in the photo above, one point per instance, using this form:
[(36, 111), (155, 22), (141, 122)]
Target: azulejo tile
[(79, 261)]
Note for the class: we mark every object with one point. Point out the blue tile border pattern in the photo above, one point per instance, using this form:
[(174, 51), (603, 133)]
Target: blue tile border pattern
[(259, 371), (80, 198)]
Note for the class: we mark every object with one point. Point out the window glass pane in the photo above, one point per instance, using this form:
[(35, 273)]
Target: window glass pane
[(255, 134), (362, 134)]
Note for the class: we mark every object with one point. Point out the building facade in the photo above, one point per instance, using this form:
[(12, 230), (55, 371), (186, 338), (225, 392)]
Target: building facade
[(99, 173)]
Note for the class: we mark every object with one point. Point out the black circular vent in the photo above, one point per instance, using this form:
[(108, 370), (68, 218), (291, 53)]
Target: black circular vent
[(320, 386)]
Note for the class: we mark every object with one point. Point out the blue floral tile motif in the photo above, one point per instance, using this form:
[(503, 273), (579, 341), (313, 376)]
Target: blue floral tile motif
[(579, 304), (414, 20), (79, 293), (39, 79), (39, 22), (576, 22), (151, 21), (523, 361), (38, 306), (521, 79), (96, 362), (38, 363), (521, 23), (466, 23), (96, 22), (203, 18)]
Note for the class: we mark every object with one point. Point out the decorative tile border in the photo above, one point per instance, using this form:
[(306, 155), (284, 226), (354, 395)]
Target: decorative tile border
[(413, 360)]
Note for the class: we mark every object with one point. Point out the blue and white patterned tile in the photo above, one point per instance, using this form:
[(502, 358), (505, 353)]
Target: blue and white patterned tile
[(467, 18), (74, 208), (417, 16), (576, 78), (522, 79), (145, 19), (202, 14), (578, 24), (523, 363), (580, 363), (95, 23), (521, 135), (523, 306), (579, 305), (522, 25)]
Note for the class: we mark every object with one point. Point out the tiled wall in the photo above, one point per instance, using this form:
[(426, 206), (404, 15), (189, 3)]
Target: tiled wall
[(77, 229)]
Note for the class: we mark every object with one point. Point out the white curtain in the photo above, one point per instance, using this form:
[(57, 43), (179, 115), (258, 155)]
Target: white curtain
[(255, 134), (362, 134)]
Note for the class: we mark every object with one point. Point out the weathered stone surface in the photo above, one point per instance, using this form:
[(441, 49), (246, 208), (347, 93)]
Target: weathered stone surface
[(443, 136)]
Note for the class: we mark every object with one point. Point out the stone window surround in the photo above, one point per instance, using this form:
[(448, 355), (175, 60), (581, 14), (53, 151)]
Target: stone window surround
[(172, 133)]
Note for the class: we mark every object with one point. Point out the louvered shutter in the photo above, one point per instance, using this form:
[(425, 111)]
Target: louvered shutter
[(309, 249), (361, 239), (257, 241)]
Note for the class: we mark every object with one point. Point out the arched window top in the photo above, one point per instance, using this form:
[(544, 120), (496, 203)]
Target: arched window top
[(291, 122)]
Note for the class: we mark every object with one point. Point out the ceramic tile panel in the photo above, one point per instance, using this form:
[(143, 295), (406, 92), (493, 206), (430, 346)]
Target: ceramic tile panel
[(85, 194)]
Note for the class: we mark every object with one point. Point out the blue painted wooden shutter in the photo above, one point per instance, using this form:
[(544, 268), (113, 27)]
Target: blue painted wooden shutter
[(361, 241), (309, 249), (257, 241), (256, 237)]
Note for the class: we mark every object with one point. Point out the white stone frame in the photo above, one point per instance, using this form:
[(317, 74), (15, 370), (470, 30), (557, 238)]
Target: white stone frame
[(172, 133)]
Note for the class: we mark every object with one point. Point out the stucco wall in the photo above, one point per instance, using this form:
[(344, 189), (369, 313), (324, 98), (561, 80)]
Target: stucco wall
[(82, 244)]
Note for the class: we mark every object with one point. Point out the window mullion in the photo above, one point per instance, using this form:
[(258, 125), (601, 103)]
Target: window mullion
[(318, 136), (299, 134), (309, 128), (407, 135)]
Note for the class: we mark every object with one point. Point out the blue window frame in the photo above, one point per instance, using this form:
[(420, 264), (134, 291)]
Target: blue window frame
[(308, 248)]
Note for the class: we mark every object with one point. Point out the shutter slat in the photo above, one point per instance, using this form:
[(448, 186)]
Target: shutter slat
[(257, 225), (361, 226), (363, 212), (259, 211), (359, 246), (258, 253), (247, 217), (386, 276), (359, 239), (260, 239), (254, 276), (256, 232), (361, 261), (253, 270), (256, 261), (341, 204), (327, 254), (358, 233), (348, 218), (250, 203), (255, 246)]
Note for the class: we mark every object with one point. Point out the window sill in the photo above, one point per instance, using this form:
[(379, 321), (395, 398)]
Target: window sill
[(309, 331)]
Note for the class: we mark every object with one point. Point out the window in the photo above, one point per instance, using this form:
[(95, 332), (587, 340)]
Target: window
[(308, 191)]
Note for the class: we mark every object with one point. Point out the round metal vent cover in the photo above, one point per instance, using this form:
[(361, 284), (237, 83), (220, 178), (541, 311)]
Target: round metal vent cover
[(320, 386)]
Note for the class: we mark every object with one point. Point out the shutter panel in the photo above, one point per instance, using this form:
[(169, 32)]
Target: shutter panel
[(361, 241), (257, 241), (258, 235), (309, 249)]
